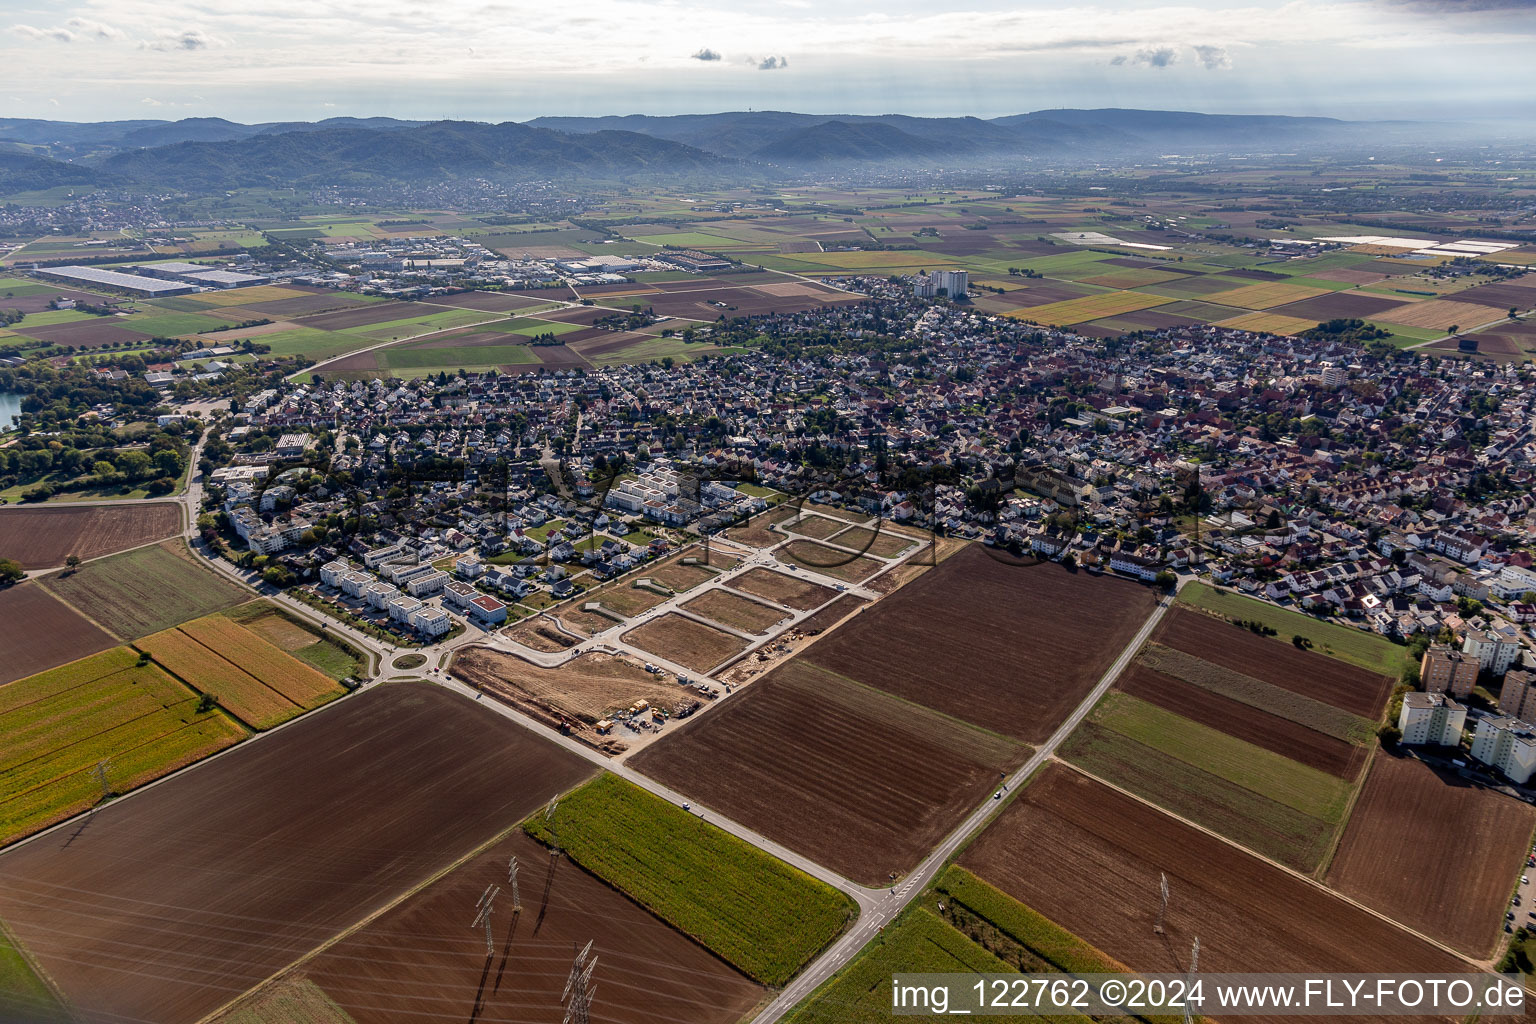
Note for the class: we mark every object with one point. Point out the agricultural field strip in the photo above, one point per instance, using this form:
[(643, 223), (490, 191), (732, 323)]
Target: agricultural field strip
[(1266, 697), (207, 671), (875, 918)]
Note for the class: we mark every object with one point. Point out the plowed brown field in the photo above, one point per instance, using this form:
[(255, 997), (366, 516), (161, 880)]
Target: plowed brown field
[(853, 778), (1011, 648), (1433, 851), (41, 538), (38, 632), (1088, 858)]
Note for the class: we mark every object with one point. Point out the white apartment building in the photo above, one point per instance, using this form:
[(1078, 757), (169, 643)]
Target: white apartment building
[(432, 621), (1495, 649), (402, 608), (1431, 718), (1507, 744), (427, 584)]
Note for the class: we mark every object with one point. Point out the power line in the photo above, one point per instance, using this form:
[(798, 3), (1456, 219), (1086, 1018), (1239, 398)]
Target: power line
[(579, 989), (483, 915)]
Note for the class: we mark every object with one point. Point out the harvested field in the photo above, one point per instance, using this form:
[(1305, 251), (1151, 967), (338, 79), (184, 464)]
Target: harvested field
[(287, 675), (839, 565), (735, 611), (1452, 881), (1263, 296), (1089, 307), (146, 590), (1246, 722), (849, 776), (586, 688), (684, 642), (873, 542), (1440, 314), (294, 837), (1276, 662), (60, 724), (38, 631), (419, 962), (1016, 649), (321, 650), (42, 537), (783, 589), (1078, 852), (365, 316), (1268, 323), (238, 692)]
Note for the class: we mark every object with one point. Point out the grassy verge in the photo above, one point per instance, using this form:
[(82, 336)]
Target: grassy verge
[(1357, 647), (24, 996), (760, 915)]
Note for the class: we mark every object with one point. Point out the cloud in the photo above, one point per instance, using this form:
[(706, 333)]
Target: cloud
[(1463, 6), (1151, 56), (94, 29), (58, 34), (772, 63), (150, 101), (1213, 58), (706, 54), (187, 39)]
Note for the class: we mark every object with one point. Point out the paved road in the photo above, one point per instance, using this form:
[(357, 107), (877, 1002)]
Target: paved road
[(870, 924)]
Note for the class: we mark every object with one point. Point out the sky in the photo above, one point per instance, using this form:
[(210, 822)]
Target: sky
[(512, 60)]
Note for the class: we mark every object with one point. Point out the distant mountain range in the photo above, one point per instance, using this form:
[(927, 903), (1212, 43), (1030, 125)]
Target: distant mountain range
[(211, 152)]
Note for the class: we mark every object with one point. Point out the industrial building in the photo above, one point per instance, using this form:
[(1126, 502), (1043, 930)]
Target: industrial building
[(198, 273), (134, 284)]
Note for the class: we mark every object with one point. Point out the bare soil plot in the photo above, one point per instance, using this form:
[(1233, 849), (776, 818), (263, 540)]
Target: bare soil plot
[(1439, 314), (736, 611), (1011, 648), (586, 688), (1338, 305), (872, 542), (1452, 879), (585, 622), (1235, 718), (626, 598), (1256, 275), (364, 316), (1089, 859), (851, 777), (38, 632), (419, 962), (587, 315), (43, 537), (1351, 275), (682, 577), (1275, 661), (818, 527), (1192, 287), (688, 643), (1147, 320), (559, 356), (85, 333), (499, 302), (172, 903), (840, 565), (783, 589), (756, 533), (540, 634), (1500, 296)]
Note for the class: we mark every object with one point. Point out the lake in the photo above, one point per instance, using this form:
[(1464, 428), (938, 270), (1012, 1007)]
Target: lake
[(10, 410)]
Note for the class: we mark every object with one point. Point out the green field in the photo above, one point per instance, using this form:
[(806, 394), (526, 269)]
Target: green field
[(415, 326), (49, 317), (1302, 787), (312, 343), (1366, 650), (176, 325), (759, 914), (59, 724), (146, 590), (1265, 826), (287, 632)]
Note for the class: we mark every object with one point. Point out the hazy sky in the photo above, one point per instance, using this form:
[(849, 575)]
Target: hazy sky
[(308, 59)]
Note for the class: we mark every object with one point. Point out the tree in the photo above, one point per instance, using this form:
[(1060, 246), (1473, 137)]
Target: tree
[(10, 572), (206, 703), (1301, 643), (1390, 736), (72, 562), (1166, 580)]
